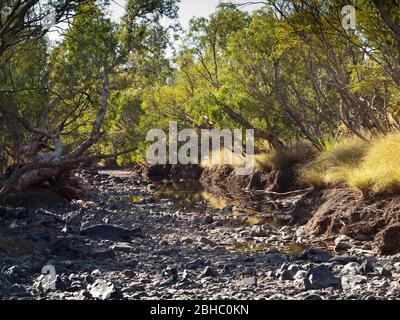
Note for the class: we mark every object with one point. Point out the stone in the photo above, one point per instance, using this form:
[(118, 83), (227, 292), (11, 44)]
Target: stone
[(215, 224), (100, 253), (343, 259), (341, 247), (320, 278), (96, 273), (367, 267), (314, 297), (194, 264), (209, 272), (285, 275), (383, 272), (209, 219), (122, 247), (66, 247), (107, 231), (104, 290), (16, 274), (315, 255), (207, 242), (249, 281), (275, 259), (343, 239)]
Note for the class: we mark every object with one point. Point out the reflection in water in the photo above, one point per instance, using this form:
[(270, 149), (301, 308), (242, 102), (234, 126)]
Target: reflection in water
[(189, 195), (290, 249), (132, 199)]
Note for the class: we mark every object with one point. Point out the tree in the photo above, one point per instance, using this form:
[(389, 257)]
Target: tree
[(90, 61)]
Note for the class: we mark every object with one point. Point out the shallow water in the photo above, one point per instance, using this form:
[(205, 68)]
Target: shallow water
[(192, 196)]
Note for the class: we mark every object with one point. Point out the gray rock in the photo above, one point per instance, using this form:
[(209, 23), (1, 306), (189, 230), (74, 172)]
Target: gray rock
[(342, 243), (194, 264), (383, 272), (122, 247), (207, 242), (315, 255), (100, 253), (367, 267), (343, 259), (104, 290), (275, 259), (288, 272), (249, 281), (108, 231), (320, 278), (209, 219), (209, 272), (313, 297)]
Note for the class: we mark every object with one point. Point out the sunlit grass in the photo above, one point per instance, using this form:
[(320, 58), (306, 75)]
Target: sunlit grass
[(333, 165), (379, 170), (371, 167)]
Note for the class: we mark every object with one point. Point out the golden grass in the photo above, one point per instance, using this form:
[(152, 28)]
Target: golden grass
[(333, 166), (379, 170), (371, 167)]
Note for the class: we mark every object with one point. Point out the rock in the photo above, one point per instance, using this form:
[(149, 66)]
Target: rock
[(258, 231), (95, 273), (315, 255), (250, 281), (66, 247), (342, 243), (383, 272), (350, 268), (274, 258), (343, 259), (122, 247), (171, 272), (209, 219), (194, 264), (16, 274), (388, 240), (314, 297), (207, 242), (209, 272), (100, 253), (134, 287), (285, 275), (168, 282), (349, 273), (320, 278), (288, 272), (215, 224), (107, 231), (367, 267), (104, 290)]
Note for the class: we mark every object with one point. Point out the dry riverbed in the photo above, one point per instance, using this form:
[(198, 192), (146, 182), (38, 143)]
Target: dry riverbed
[(135, 240)]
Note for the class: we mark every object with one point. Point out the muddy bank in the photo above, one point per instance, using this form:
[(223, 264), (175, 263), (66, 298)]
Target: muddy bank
[(323, 214), (342, 211)]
